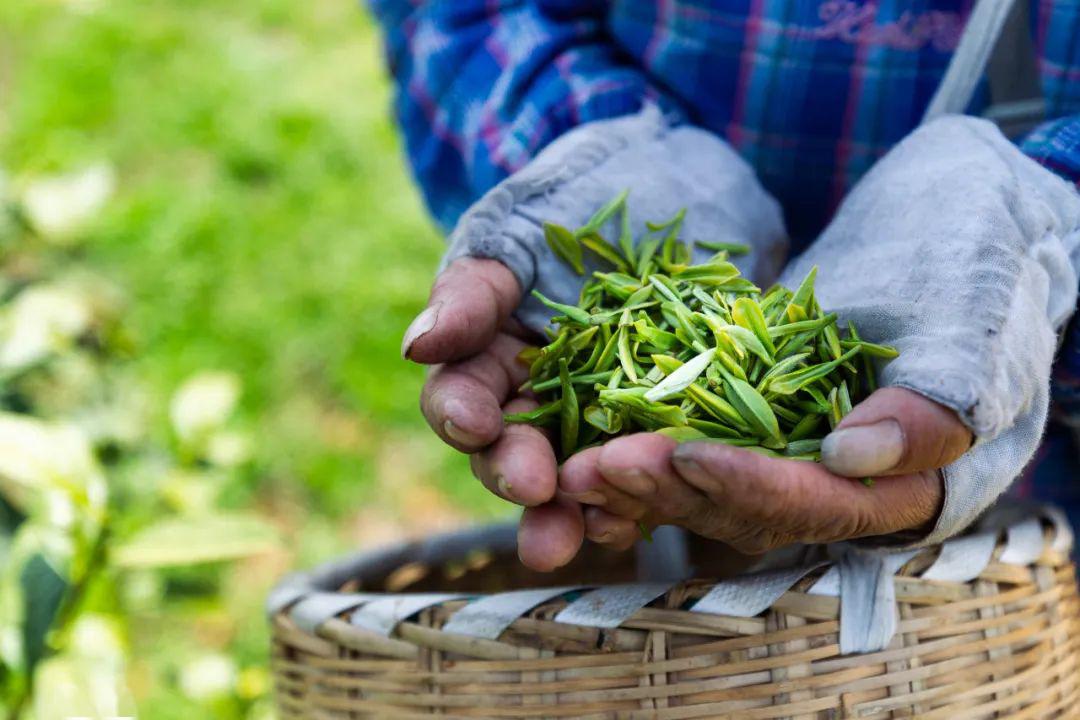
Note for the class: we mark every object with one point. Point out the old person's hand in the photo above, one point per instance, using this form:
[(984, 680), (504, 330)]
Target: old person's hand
[(479, 316), (960, 252), (756, 503), (469, 337)]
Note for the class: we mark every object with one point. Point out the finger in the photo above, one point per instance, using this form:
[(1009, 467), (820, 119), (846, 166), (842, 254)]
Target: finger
[(550, 535), (611, 531), (802, 500), (893, 432), (580, 480), (463, 401), (520, 466), (468, 303), (640, 466)]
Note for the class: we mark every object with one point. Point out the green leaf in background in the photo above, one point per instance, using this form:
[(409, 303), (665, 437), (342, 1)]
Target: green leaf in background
[(43, 590), (187, 541), (10, 517)]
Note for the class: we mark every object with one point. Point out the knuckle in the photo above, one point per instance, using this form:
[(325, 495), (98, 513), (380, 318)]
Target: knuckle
[(784, 504), (754, 543), (860, 522), (855, 522), (955, 444), (704, 518)]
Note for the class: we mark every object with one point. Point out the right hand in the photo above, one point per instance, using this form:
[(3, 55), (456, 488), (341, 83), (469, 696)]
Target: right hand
[(468, 336)]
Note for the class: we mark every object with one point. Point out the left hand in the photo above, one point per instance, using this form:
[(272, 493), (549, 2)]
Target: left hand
[(757, 503), (469, 338)]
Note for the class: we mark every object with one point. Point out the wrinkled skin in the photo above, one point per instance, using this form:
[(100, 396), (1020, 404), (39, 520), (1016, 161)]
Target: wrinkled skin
[(746, 500)]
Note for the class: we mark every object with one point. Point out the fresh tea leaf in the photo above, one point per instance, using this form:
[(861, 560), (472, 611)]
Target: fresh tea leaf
[(568, 427), (678, 381), (565, 246)]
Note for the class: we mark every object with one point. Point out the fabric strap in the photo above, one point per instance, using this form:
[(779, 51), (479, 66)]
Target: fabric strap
[(983, 37), (1015, 86)]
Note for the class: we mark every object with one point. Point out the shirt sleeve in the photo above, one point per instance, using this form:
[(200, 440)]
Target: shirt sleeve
[(483, 85), (1055, 145)]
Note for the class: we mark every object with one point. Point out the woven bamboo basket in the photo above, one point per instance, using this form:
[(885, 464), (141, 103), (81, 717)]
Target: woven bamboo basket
[(987, 626)]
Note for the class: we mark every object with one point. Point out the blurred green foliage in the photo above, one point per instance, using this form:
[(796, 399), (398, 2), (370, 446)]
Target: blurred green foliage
[(207, 207)]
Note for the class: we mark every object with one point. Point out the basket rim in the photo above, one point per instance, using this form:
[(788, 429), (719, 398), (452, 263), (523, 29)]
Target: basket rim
[(309, 599), (433, 549)]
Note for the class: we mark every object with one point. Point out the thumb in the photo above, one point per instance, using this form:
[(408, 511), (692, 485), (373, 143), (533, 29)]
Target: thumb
[(469, 302), (893, 432)]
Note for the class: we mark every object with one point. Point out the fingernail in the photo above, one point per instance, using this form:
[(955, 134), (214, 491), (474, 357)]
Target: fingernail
[(421, 325), (635, 482), (589, 497), (457, 434), (683, 459), (505, 488), (864, 450)]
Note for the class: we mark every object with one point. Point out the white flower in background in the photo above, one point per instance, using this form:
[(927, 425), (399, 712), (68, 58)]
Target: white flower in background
[(99, 638), (41, 320), (228, 449), (262, 709), (71, 685), (59, 205), (209, 676), (59, 509), (191, 492), (7, 218), (50, 463), (203, 404)]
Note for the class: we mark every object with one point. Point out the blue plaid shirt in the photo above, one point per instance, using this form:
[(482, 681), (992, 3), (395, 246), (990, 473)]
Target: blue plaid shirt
[(811, 93)]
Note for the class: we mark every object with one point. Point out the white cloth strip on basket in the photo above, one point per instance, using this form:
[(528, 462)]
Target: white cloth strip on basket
[(749, 595), (488, 616), (963, 559), (868, 612), (610, 606), (1063, 533), (383, 615), (315, 609), (829, 583), (284, 595), (1023, 542)]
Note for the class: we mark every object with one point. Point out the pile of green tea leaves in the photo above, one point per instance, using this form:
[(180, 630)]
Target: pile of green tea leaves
[(656, 343)]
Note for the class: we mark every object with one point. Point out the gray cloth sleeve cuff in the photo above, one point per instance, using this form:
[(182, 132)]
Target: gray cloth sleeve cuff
[(960, 251), (665, 168)]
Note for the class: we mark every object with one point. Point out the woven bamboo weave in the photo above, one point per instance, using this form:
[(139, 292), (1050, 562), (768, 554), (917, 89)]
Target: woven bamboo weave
[(1004, 645)]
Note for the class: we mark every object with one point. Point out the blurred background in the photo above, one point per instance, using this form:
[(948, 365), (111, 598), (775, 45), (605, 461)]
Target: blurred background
[(209, 250)]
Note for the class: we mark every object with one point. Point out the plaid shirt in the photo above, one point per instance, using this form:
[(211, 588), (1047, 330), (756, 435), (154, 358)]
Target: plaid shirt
[(811, 93)]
